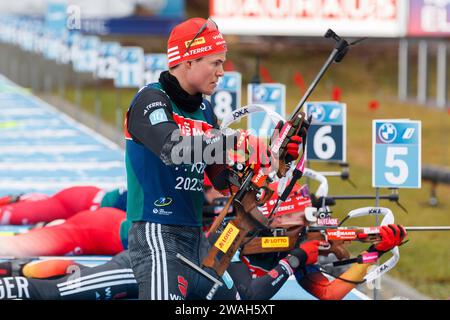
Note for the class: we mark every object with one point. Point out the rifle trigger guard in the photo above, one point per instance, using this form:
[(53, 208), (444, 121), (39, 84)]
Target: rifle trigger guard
[(323, 247)]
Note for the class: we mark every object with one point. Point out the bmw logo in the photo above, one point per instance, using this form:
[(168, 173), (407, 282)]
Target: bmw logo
[(387, 132), (317, 112), (260, 94)]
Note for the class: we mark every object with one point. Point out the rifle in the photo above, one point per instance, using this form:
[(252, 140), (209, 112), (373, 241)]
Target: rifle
[(336, 236), (252, 188), (297, 124)]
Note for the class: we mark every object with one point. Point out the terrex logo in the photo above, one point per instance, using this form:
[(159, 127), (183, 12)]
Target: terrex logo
[(163, 201)]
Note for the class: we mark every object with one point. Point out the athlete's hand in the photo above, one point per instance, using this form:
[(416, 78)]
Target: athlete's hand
[(307, 253), (391, 235), (250, 150), (293, 145), (292, 149), (311, 248)]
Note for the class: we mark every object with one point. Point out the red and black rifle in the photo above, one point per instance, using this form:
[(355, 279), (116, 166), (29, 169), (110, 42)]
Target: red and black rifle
[(298, 125)]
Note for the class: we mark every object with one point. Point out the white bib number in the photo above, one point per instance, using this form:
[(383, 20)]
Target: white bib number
[(190, 184)]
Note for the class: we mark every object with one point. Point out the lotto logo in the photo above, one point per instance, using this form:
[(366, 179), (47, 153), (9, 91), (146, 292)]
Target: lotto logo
[(226, 238), (275, 242)]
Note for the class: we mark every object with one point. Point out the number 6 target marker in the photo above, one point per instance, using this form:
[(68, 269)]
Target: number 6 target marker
[(326, 140)]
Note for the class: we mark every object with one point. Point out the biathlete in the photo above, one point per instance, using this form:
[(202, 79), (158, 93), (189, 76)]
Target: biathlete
[(30, 209)]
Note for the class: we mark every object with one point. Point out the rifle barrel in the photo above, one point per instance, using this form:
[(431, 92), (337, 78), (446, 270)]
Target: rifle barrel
[(331, 173), (360, 197), (431, 228), (319, 76), (428, 228)]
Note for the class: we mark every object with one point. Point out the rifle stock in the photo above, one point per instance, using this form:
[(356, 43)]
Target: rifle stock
[(289, 240), (248, 218)]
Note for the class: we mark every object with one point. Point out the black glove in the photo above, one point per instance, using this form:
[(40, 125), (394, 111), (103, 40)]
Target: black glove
[(306, 254), (317, 202)]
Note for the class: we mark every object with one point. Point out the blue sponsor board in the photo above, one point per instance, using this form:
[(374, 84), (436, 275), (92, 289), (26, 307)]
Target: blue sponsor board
[(54, 29), (165, 15), (86, 58), (130, 26), (130, 71), (64, 48), (396, 153), (154, 64), (272, 96), (55, 18), (108, 60), (227, 96), (326, 139)]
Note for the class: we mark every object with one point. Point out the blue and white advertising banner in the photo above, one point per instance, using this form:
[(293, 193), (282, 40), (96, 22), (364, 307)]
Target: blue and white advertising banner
[(64, 48), (396, 153), (154, 64), (52, 46), (86, 60), (130, 71), (108, 60), (55, 18)]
